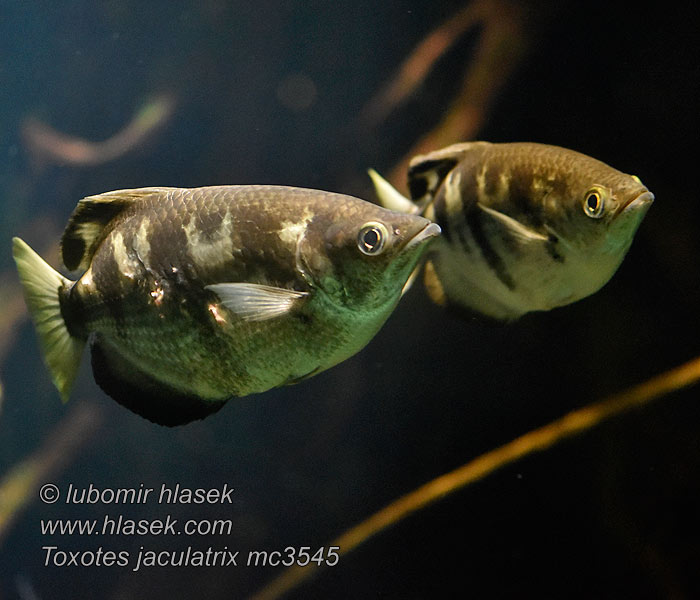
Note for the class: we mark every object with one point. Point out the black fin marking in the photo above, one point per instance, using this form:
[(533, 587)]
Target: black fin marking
[(426, 172), (140, 393), (86, 227), (425, 177)]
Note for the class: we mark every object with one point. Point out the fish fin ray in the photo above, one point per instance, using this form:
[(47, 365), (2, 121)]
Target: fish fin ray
[(87, 225), (517, 230), (295, 380), (426, 172), (411, 280), (144, 395), (256, 302), (61, 351), (433, 285), (389, 197)]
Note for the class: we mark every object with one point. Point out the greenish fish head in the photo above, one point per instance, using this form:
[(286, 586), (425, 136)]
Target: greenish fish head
[(362, 256), (603, 213), (595, 225), (630, 204)]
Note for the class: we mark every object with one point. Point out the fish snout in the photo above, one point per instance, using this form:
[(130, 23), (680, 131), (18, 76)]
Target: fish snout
[(643, 200), (431, 230)]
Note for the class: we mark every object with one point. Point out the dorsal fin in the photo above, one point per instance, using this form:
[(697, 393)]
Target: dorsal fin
[(86, 226), (427, 171)]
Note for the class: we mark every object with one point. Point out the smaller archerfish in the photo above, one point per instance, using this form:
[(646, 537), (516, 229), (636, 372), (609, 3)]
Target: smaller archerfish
[(527, 227), (191, 296)]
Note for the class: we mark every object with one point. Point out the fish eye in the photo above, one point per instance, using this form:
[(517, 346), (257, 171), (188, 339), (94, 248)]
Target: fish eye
[(371, 238), (594, 203)]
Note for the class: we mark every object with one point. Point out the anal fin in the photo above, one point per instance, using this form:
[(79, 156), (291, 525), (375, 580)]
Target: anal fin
[(433, 285), (144, 395)]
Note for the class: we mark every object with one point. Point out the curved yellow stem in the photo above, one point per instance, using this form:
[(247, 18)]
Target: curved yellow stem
[(537, 440)]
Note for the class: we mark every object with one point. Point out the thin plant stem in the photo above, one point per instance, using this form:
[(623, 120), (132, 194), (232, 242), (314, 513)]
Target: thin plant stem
[(574, 423), (19, 486), (49, 145)]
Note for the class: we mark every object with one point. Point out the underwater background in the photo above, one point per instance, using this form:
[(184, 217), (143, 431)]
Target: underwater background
[(96, 96)]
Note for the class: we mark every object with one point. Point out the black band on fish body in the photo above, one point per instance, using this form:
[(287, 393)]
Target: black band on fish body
[(552, 226)]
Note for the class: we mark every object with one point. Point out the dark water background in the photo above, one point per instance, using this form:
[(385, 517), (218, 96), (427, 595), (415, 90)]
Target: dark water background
[(611, 514)]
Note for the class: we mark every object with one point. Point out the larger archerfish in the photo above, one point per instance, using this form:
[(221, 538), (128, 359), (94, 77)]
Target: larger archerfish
[(527, 227), (189, 297)]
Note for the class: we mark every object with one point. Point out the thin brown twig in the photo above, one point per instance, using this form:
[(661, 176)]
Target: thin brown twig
[(416, 67), (501, 46), (50, 145), (19, 486), (574, 423)]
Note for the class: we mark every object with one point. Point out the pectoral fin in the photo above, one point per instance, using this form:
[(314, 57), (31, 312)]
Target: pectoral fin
[(516, 230), (255, 302)]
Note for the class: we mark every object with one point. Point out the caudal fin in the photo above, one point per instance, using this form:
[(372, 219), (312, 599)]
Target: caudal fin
[(41, 284)]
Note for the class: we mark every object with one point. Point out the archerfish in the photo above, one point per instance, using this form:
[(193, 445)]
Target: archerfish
[(527, 227), (189, 297)]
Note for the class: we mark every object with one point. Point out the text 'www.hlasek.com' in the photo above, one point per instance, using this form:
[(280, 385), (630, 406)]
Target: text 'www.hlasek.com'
[(112, 526)]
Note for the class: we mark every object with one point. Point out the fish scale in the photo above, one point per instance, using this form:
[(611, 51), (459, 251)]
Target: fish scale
[(518, 235), (193, 296)]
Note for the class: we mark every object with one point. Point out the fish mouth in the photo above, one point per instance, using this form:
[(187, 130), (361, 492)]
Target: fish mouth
[(431, 230), (644, 200)]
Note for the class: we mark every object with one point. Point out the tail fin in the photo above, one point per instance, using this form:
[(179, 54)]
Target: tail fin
[(41, 285)]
